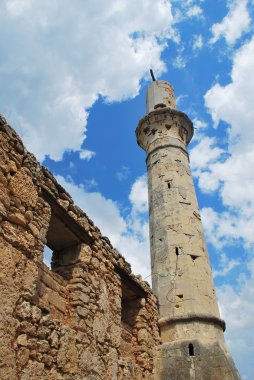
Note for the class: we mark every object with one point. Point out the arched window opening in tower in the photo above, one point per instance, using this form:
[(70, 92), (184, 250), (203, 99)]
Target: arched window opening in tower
[(177, 251), (169, 185), (191, 349)]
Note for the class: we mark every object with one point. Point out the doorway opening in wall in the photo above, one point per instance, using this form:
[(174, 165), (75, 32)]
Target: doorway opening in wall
[(47, 256), (191, 349)]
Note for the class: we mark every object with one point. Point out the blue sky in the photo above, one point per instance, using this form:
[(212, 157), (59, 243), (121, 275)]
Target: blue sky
[(73, 81)]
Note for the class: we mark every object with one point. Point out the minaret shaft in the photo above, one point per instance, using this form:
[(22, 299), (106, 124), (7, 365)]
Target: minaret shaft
[(181, 272), (182, 280)]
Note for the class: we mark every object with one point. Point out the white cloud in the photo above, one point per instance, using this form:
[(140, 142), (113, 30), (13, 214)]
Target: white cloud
[(180, 99), (59, 57), (181, 59), (90, 184), (225, 266), (123, 173), (130, 235), (233, 103), (228, 228), (86, 154), (237, 308), (179, 62), (199, 124), (194, 11), (186, 9), (232, 176), (234, 24), (230, 172), (18, 7), (204, 153), (139, 195), (197, 42), (200, 127)]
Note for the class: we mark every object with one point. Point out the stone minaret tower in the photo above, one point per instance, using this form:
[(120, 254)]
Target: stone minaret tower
[(193, 345)]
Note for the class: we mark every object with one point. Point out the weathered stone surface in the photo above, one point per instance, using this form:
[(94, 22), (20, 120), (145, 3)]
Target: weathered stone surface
[(22, 186), (35, 314), (23, 310), (22, 340), (17, 219), (67, 353), (22, 356), (4, 196), (3, 211), (34, 230), (18, 236), (191, 329)]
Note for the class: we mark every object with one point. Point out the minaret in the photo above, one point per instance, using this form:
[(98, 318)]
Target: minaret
[(193, 345)]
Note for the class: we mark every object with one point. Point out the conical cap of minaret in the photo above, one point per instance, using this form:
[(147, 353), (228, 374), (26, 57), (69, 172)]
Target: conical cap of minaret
[(160, 94)]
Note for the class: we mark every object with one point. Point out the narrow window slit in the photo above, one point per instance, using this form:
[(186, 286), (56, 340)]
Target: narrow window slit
[(191, 349), (177, 251), (169, 185)]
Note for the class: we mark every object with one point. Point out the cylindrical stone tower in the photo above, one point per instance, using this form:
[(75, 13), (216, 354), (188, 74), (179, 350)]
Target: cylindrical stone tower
[(191, 329)]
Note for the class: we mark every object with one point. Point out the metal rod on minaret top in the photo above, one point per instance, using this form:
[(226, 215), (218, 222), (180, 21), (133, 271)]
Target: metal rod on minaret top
[(152, 75)]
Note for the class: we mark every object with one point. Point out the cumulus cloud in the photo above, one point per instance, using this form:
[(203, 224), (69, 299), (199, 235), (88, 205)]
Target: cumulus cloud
[(197, 42), (226, 265), (230, 172), (139, 195), (194, 11), (204, 153), (59, 57), (17, 7), (129, 234), (86, 154), (187, 9), (228, 228), (233, 103), (237, 307), (123, 173), (180, 61), (200, 127), (234, 24), (234, 179)]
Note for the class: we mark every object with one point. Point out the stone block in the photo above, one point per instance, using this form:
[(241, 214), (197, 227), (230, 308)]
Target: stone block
[(22, 186)]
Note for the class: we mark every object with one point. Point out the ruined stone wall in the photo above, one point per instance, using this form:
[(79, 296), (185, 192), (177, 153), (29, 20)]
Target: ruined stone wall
[(87, 318)]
